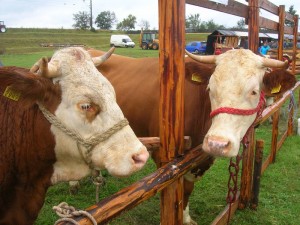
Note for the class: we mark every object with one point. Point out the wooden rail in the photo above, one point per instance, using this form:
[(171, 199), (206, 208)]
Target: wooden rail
[(142, 190)]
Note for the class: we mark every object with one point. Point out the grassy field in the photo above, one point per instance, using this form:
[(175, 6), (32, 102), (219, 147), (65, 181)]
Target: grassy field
[(280, 184)]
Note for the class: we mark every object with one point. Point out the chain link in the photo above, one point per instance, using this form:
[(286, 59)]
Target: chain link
[(233, 169)]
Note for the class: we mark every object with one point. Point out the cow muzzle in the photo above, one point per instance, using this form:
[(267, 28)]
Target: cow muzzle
[(219, 146)]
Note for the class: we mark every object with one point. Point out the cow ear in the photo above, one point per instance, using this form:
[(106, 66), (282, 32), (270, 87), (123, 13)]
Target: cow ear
[(20, 85), (198, 73), (278, 81)]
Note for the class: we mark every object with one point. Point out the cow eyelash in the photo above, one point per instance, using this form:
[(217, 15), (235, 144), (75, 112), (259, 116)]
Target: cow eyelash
[(85, 106)]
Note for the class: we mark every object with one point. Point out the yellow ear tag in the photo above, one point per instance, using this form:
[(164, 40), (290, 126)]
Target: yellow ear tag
[(11, 94), (276, 89), (196, 77)]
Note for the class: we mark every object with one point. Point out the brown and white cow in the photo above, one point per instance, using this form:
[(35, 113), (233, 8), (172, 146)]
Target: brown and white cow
[(59, 126), (136, 82), (235, 90)]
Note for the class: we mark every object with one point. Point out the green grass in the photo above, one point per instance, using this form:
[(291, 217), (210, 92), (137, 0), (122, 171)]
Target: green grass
[(280, 184), (21, 47)]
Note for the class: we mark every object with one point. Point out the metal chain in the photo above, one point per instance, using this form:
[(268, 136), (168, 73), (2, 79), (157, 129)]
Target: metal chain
[(232, 184)]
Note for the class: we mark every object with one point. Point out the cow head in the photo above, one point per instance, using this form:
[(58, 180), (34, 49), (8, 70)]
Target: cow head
[(237, 82), (88, 108)]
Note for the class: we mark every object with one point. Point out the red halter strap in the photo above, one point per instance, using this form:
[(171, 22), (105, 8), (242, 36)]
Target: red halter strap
[(228, 110), (244, 112)]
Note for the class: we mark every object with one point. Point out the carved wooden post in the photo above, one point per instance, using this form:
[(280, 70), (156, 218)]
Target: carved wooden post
[(171, 69), (280, 57), (246, 177), (257, 172), (295, 40), (248, 153), (253, 26)]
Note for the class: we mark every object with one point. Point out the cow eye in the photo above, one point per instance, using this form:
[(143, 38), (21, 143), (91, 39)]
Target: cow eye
[(85, 106), (253, 93)]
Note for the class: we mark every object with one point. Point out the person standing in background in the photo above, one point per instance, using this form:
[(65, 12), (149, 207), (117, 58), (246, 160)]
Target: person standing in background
[(264, 49)]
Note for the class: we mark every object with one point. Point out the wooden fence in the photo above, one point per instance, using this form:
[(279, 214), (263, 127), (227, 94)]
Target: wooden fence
[(173, 166), (142, 190)]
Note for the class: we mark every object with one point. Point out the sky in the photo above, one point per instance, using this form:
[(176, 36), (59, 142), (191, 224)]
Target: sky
[(59, 13)]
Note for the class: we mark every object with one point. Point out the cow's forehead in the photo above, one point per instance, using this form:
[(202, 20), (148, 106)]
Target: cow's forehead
[(74, 53), (240, 64), (81, 81)]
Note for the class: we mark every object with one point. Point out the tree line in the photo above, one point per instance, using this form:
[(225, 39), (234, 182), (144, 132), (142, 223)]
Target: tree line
[(193, 23)]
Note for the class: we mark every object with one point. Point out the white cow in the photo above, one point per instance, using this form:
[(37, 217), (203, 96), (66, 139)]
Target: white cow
[(235, 92)]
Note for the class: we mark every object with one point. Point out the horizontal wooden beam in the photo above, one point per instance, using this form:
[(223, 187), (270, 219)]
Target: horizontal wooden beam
[(288, 30), (268, 6), (289, 17), (142, 190), (153, 143), (267, 23), (234, 8)]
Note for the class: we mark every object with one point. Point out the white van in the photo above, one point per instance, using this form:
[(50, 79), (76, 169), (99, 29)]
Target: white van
[(119, 40)]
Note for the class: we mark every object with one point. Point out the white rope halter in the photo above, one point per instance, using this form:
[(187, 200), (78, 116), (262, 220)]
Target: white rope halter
[(88, 143)]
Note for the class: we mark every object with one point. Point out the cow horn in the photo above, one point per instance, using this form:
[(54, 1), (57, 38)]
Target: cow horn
[(101, 59), (204, 59), (273, 63), (45, 69)]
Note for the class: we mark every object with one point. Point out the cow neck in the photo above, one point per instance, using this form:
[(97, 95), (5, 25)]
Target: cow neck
[(88, 143), (244, 112)]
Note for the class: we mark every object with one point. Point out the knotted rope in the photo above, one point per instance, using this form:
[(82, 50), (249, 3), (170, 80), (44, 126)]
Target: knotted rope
[(244, 112), (88, 143), (65, 211)]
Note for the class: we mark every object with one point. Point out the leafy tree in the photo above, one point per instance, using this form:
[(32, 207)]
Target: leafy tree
[(193, 22), (211, 25), (105, 20), (291, 11), (241, 24), (144, 24), (127, 23), (82, 20)]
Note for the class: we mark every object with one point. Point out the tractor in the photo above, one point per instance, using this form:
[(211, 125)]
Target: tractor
[(149, 40), (2, 27)]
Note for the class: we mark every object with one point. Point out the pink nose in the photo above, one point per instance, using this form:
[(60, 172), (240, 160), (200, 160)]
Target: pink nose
[(216, 146), (141, 158)]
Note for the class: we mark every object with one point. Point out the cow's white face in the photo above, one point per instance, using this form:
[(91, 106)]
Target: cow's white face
[(236, 83), (89, 107)]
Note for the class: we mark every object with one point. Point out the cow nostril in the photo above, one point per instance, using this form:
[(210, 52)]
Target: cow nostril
[(217, 146), (217, 142), (140, 158)]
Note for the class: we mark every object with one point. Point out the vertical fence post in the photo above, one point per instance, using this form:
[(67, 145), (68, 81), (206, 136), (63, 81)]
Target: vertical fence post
[(248, 155), (280, 57), (295, 40), (257, 172), (253, 25), (171, 113), (246, 177)]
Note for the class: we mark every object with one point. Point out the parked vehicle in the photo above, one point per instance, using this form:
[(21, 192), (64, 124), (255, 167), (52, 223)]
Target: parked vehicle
[(149, 40), (196, 47), (2, 27), (119, 40)]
